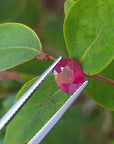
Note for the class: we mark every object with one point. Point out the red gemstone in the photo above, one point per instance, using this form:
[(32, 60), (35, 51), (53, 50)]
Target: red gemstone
[(68, 75)]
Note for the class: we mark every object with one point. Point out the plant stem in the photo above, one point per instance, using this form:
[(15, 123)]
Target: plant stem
[(45, 57), (100, 78), (97, 77)]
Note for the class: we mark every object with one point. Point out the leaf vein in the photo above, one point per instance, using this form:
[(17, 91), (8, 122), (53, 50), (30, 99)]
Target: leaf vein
[(87, 50), (20, 47)]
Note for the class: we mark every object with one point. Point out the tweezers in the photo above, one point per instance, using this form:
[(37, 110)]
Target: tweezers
[(23, 99)]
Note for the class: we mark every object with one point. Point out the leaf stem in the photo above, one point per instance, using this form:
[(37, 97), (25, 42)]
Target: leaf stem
[(97, 77), (45, 57), (100, 78)]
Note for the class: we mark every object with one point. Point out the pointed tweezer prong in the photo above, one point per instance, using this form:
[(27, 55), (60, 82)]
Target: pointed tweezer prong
[(23, 99), (56, 117)]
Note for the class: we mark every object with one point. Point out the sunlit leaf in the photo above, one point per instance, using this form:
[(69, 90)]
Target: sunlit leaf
[(89, 34), (67, 6)]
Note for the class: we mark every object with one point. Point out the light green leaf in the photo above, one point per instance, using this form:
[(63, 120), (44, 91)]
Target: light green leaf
[(101, 92), (36, 112), (89, 34), (18, 44), (67, 6)]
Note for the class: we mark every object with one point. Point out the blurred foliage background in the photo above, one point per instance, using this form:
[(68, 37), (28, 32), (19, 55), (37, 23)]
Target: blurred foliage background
[(85, 122)]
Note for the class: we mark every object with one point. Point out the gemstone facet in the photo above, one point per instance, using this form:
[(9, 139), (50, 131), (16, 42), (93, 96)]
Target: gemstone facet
[(68, 75)]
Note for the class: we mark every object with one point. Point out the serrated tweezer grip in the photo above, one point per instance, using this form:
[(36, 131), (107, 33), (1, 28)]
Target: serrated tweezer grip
[(23, 99)]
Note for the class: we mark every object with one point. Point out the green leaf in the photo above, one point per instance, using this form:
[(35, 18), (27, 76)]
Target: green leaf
[(36, 112), (101, 92), (67, 6), (18, 44), (89, 34)]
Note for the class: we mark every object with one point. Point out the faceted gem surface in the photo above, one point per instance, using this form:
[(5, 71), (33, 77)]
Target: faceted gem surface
[(68, 75)]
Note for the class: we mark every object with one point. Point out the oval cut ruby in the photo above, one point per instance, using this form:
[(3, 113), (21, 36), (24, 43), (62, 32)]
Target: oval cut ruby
[(68, 75)]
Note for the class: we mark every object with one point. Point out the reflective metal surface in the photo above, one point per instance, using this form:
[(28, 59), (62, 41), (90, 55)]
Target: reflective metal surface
[(23, 99), (53, 121)]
